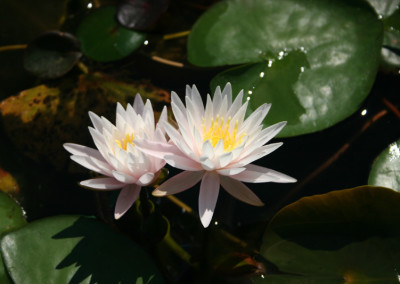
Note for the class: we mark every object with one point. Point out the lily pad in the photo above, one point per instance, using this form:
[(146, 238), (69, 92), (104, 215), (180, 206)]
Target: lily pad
[(340, 43), (52, 54), (11, 218), (73, 249), (52, 116), (103, 39), (344, 234), (385, 170)]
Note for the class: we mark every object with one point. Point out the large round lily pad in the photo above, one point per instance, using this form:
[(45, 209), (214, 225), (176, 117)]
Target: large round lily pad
[(73, 249), (104, 39), (347, 234), (331, 50), (385, 170)]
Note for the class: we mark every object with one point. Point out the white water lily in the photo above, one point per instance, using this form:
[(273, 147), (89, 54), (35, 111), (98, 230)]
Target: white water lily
[(116, 157), (216, 144)]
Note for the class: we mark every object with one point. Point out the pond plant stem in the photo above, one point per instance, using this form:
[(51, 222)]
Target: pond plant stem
[(13, 47)]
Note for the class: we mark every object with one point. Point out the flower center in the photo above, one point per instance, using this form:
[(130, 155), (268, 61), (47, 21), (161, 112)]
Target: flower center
[(125, 141), (218, 130)]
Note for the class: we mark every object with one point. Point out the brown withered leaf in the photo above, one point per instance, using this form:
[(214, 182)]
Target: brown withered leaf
[(39, 120)]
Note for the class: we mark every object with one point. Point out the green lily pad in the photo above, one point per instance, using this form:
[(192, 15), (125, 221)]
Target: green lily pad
[(385, 170), (52, 54), (347, 234), (11, 218), (73, 249), (375, 260), (103, 39), (332, 49)]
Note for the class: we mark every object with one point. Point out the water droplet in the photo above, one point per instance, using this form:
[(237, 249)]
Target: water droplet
[(146, 42), (261, 74), (216, 223), (364, 112), (262, 276), (270, 64), (89, 5), (250, 92), (301, 69)]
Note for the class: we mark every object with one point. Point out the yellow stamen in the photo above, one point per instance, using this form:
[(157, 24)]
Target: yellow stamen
[(125, 141), (218, 130)]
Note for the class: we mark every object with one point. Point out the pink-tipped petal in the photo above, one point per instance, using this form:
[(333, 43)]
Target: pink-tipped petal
[(126, 198), (182, 163), (209, 190), (178, 183), (102, 183), (240, 191), (257, 174)]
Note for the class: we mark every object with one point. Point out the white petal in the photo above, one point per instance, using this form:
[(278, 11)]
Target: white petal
[(102, 183), (178, 183), (124, 178), (96, 121), (126, 198), (240, 191), (146, 179), (178, 140), (207, 149), (257, 174), (80, 150), (182, 163), (148, 115), (235, 106), (207, 164), (229, 172), (256, 154), (224, 159), (88, 163), (227, 91), (157, 149), (208, 114), (138, 104), (120, 117), (209, 190)]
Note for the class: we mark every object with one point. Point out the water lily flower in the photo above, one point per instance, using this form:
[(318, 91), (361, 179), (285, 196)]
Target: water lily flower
[(116, 158), (216, 144)]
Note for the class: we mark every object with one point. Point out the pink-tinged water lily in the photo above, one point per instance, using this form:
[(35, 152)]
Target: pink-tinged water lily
[(216, 144), (121, 163)]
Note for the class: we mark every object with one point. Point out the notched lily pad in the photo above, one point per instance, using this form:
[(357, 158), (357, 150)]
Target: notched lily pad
[(52, 54), (73, 249), (385, 170), (39, 120), (104, 39), (340, 40)]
